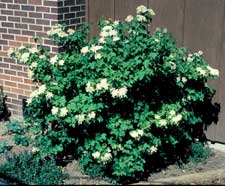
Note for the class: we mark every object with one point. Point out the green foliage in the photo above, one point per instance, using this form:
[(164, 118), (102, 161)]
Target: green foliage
[(17, 128), (26, 169), (199, 152), (4, 146), (119, 100)]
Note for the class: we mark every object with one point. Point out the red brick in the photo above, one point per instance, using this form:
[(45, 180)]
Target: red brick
[(17, 90), (22, 86), (22, 38), (10, 83)]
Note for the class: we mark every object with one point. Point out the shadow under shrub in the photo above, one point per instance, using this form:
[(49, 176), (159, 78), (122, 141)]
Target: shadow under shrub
[(4, 112), (24, 168), (118, 102)]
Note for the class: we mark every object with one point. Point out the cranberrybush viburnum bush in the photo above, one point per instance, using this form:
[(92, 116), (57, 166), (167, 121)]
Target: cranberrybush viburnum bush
[(118, 100)]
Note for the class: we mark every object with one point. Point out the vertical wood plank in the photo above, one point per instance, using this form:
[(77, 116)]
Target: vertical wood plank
[(220, 129), (99, 9), (203, 31), (170, 15), (123, 8)]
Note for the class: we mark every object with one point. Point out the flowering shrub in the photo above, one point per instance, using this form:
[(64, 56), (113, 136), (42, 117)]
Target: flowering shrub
[(117, 100)]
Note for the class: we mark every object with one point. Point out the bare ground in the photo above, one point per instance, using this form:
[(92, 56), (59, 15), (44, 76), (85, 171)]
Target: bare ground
[(212, 171)]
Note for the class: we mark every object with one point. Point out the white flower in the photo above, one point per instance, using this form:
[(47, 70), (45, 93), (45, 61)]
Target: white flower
[(30, 73), (62, 34), (116, 38), (33, 65), (173, 65), (33, 50), (98, 56), (189, 59), (213, 71), (141, 18), (172, 112), (129, 18), (141, 9), (112, 33), (84, 50), (35, 149), (63, 112), (29, 101), (165, 30), (61, 62), (102, 85), (162, 122), (157, 40), (116, 22), (102, 40), (49, 95), (177, 118), (89, 88), (42, 56), (10, 51), (54, 110), (122, 92), (140, 132), (114, 92), (41, 89), (151, 12), (104, 34), (21, 48), (25, 57), (200, 52), (107, 28), (70, 31), (153, 149), (134, 134), (157, 116), (95, 48), (80, 118), (184, 79), (54, 59), (107, 157), (92, 115), (96, 155), (201, 71)]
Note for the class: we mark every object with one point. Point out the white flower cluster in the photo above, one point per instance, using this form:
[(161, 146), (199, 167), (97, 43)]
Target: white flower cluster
[(183, 79), (129, 18), (96, 155), (201, 71), (24, 57), (105, 158), (213, 71), (122, 92), (81, 117), (33, 65), (61, 111), (103, 84), (153, 149), (94, 49), (70, 31), (176, 119), (33, 50), (57, 30), (41, 89), (136, 133), (172, 118), (54, 59), (108, 31), (143, 9)]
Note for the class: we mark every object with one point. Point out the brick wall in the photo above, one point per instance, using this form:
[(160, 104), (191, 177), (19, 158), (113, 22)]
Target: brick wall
[(20, 20)]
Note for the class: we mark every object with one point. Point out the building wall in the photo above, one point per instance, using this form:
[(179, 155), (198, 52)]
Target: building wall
[(20, 21)]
